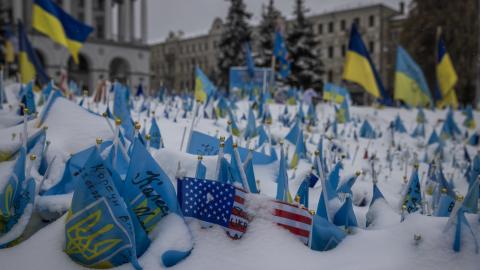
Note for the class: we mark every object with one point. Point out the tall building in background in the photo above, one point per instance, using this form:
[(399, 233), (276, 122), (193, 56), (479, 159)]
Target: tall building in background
[(116, 54), (173, 61)]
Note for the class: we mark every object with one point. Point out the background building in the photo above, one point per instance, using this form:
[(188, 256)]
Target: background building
[(173, 61), (106, 55)]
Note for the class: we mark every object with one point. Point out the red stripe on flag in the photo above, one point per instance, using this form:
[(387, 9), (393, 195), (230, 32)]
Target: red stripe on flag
[(237, 227), (239, 213), (239, 199), (293, 216), (295, 230)]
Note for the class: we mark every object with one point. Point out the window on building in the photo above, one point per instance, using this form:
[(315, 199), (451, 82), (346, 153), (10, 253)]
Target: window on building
[(320, 29), (206, 46), (343, 25), (330, 76), (371, 47), (344, 50), (330, 27), (371, 21), (330, 51), (357, 21)]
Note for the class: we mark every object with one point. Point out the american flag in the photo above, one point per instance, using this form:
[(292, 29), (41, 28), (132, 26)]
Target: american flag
[(214, 202), (294, 218)]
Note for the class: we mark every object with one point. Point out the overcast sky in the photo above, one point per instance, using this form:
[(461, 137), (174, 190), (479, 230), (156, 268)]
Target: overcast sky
[(194, 17)]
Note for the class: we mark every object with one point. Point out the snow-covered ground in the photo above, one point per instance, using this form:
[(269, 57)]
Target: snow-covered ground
[(389, 244)]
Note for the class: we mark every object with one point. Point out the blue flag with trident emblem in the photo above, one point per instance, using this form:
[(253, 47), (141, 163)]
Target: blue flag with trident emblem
[(99, 228)]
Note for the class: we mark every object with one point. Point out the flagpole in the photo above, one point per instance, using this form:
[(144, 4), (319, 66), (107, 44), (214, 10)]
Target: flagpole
[(272, 74)]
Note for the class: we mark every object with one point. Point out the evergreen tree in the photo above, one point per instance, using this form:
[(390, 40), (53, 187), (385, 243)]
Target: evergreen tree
[(306, 66), (267, 27), (236, 33), (460, 27)]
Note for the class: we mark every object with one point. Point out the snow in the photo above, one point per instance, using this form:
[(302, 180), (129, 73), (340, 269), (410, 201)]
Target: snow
[(386, 244)]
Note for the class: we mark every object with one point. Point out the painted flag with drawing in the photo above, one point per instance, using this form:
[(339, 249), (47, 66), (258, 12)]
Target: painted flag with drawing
[(214, 202)]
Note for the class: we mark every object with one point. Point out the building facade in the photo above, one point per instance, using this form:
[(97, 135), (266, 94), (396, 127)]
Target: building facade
[(106, 55), (173, 61)]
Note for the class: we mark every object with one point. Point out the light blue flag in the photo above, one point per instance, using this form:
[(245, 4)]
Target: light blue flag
[(445, 205), (203, 144), (235, 170), (71, 173), (47, 89), (121, 109), (398, 125), (322, 207), (302, 192), (449, 128), (251, 129), (300, 150), (282, 180), (376, 195), (324, 235), (312, 114), (150, 193), (73, 86), (419, 131), (234, 130), (334, 176), (262, 136), (413, 196), (421, 118), (474, 139), (155, 135), (99, 229), (26, 97), (462, 220), (433, 138), (293, 133), (250, 173), (345, 215), (470, 203), (18, 193), (201, 170), (346, 187), (366, 131), (117, 159), (224, 174)]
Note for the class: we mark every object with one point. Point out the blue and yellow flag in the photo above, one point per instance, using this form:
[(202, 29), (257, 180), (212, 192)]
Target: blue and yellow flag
[(281, 54), (359, 68), (9, 44), (51, 20), (204, 88), (410, 84), (30, 66), (446, 78), (332, 92)]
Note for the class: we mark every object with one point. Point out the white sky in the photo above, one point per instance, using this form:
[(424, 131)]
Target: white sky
[(196, 16)]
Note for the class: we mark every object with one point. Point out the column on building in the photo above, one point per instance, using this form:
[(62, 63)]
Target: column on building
[(144, 17), (108, 20), (131, 19), (18, 10), (123, 21), (89, 12)]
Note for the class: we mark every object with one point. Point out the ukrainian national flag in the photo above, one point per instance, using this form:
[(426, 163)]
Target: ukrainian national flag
[(29, 64), (410, 83), (50, 19), (203, 86), (332, 92), (9, 46), (446, 77), (360, 69)]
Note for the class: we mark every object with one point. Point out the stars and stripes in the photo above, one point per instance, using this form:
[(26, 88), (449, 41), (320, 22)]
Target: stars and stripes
[(214, 202), (293, 218)]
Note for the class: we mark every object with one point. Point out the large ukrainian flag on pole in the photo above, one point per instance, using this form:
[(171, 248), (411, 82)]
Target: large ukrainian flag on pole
[(410, 84), (360, 69), (50, 19), (29, 64), (446, 77)]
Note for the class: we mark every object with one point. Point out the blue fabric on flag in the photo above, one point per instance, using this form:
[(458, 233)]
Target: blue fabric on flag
[(262, 136), (121, 109), (99, 229), (249, 60), (419, 131), (324, 235), (462, 220), (293, 133), (201, 170), (445, 206), (398, 125), (251, 129), (312, 179), (302, 192), (250, 173), (470, 203), (366, 131), (211, 201), (117, 159), (376, 194), (203, 144), (322, 207), (27, 98), (334, 176), (433, 138), (413, 197), (345, 215), (346, 187), (155, 135), (282, 180)]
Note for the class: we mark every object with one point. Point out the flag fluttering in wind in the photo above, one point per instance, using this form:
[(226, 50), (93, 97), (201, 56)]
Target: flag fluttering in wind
[(30, 66), (446, 77), (51, 20), (204, 88), (410, 83), (359, 68)]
